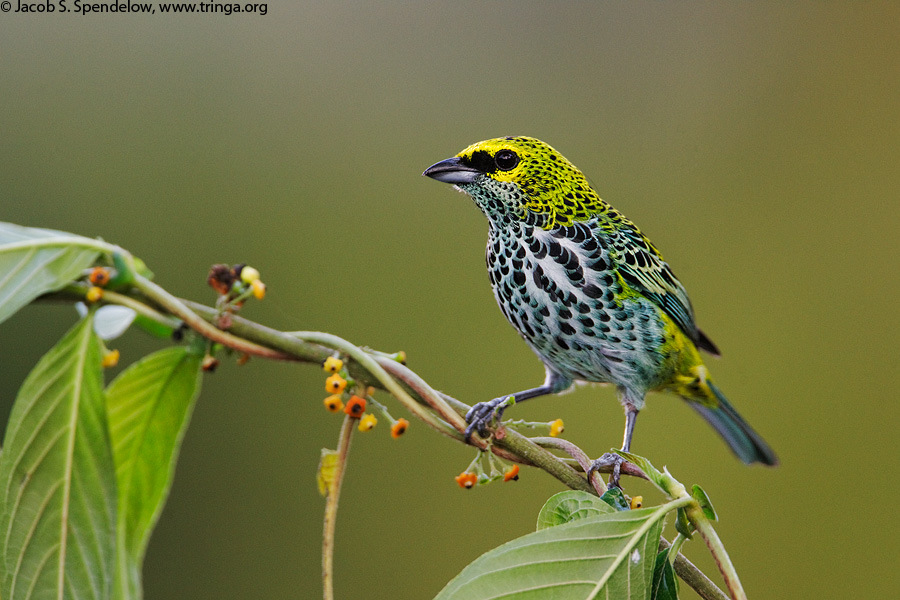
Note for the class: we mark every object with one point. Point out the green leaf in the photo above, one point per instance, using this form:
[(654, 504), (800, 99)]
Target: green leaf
[(569, 506), (703, 500), (665, 584), (57, 479), (607, 556), (37, 261), (661, 479), (683, 525), (150, 404), (615, 498)]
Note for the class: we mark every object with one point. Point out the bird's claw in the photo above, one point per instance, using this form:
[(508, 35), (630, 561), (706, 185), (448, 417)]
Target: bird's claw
[(482, 414), (607, 460)]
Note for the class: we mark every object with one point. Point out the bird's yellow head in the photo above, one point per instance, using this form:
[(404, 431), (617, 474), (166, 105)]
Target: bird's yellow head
[(521, 178)]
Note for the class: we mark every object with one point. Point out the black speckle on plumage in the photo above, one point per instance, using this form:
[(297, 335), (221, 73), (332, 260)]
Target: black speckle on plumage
[(519, 277), (592, 291), (567, 329), (554, 249)]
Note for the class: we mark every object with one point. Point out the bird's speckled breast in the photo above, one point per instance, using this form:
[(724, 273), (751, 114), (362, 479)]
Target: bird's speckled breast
[(559, 290)]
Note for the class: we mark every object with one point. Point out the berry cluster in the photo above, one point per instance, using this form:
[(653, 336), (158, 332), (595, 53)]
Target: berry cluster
[(355, 407), (99, 278), (478, 472)]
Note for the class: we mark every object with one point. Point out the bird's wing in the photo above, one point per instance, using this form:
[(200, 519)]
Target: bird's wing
[(643, 268)]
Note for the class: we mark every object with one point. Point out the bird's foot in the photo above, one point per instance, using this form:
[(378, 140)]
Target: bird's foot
[(482, 414), (604, 463)]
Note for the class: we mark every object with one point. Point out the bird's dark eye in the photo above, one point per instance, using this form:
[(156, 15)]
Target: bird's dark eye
[(506, 160)]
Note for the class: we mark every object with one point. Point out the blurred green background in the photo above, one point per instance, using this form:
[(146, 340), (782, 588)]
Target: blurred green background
[(757, 144)]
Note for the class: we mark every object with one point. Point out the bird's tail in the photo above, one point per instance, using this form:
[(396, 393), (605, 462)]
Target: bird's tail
[(744, 442)]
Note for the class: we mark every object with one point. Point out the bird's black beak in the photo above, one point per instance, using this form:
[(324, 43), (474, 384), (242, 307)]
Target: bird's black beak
[(452, 170)]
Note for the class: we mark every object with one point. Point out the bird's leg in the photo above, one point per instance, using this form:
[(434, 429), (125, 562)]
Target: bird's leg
[(630, 417), (615, 460), (481, 415)]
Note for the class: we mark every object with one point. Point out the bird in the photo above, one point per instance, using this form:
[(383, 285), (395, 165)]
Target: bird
[(587, 291)]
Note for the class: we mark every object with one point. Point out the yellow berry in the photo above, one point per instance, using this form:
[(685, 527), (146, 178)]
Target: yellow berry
[(334, 403), (94, 294), (249, 275), (367, 422), (637, 502), (110, 359), (335, 384), (259, 289), (556, 427), (333, 364)]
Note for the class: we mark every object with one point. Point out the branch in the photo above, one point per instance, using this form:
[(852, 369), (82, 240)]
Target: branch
[(442, 412)]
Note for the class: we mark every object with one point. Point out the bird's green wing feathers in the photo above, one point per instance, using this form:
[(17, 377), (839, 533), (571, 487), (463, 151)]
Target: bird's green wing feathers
[(643, 268)]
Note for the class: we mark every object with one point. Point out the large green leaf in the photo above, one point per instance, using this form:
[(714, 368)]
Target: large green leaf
[(665, 584), (606, 556), (57, 479), (37, 261), (569, 506), (149, 405)]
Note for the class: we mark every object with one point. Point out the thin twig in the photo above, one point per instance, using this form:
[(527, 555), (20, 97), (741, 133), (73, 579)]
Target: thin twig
[(694, 577), (180, 310), (372, 366), (331, 507), (424, 391), (717, 549), (578, 454)]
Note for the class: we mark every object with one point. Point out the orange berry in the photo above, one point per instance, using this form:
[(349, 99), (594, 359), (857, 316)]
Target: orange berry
[(259, 289), (356, 406), (334, 403), (399, 428), (335, 384), (512, 473), (467, 480), (99, 276)]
